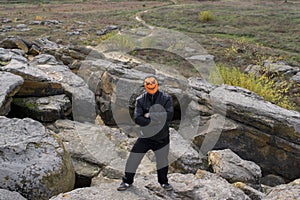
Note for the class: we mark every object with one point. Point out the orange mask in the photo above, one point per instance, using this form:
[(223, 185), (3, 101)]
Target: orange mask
[(151, 85)]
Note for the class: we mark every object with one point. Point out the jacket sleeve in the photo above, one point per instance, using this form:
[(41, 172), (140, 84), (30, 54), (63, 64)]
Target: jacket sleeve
[(139, 115), (158, 116)]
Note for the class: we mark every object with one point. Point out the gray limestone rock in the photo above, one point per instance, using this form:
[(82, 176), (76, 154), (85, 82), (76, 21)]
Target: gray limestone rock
[(44, 109), (203, 185), (36, 82), (33, 161), (285, 191), (251, 192), (9, 85), (231, 167), (274, 131), (83, 99), (183, 158), (87, 142), (6, 194), (14, 43)]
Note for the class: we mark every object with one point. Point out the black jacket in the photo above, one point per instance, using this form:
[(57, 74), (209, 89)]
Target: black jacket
[(160, 107)]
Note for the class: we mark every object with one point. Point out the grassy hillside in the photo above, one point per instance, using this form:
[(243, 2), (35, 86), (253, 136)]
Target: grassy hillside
[(256, 27)]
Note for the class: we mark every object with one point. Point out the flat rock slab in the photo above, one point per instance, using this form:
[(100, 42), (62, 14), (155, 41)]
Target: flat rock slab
[(36, 82), (44, 109), (9, 85)]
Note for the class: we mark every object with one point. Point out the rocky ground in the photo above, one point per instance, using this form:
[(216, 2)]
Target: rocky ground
[(69, 109)]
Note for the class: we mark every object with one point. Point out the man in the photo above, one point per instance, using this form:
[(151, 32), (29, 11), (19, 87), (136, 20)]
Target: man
[(153, 112)]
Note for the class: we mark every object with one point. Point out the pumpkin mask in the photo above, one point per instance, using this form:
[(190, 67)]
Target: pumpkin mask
[(151, 85)]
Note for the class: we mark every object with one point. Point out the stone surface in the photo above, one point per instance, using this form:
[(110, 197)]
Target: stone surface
[(231, 167), (14, 43), (251, 192), (272, 180), (183, 158), (274, 132), (203, 185), (88, 142), (44, 109), (36, 82), (9, 85), (33, 160), (286, 191), (6, 194), (106, 191), (83, 99), (85, 169)]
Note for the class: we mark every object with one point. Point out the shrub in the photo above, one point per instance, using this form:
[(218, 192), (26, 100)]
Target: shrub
[(272, 91), (206, 16), (38, 18)]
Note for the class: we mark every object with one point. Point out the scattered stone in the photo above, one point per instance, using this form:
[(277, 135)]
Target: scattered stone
[(107, 29), (21, 26), (44, 43), (280, 68), (6, 20), (87, 142), (34, 50), (35, 22), (85, 169)]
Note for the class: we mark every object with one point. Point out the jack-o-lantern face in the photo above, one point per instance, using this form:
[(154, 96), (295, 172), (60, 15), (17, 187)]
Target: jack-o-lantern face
[(151, 85)]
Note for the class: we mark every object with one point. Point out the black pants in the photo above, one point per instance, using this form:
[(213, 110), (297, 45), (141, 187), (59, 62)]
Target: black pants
[(141, 146)]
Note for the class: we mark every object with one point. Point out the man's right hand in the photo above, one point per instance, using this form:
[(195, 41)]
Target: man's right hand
[(147, 115)]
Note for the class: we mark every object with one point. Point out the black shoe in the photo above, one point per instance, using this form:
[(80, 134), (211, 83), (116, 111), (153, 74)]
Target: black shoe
[(123, 186), (167, 186)]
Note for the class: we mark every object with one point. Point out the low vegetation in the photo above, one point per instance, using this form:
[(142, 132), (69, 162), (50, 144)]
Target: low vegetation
[(206, 16), (264, 85)]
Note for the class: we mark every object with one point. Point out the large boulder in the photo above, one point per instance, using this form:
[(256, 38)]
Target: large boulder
[(9, 85), (231, 167), (115, 87), (97, 148), (83, 99), (33, 160), (257, 130), (87, 141)]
